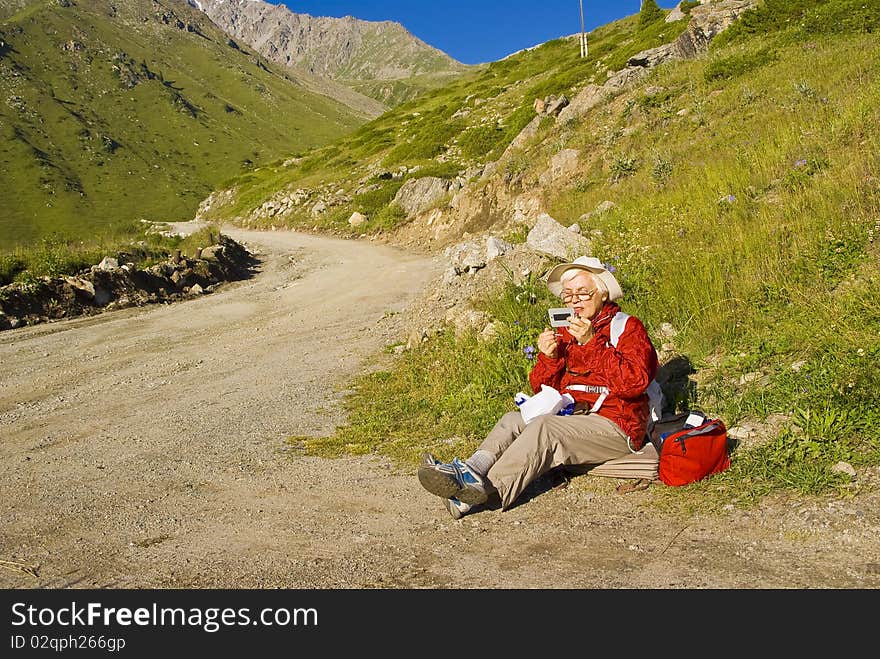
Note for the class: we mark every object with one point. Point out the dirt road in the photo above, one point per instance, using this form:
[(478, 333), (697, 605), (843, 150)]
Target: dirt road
[(146, 448)]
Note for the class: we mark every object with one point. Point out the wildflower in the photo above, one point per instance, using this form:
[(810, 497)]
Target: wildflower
[(529, 352), (610, 268), (800, 163), (516, 322)]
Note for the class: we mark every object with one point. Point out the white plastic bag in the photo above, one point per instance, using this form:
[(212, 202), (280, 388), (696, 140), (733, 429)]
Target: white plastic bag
[(546, 401)]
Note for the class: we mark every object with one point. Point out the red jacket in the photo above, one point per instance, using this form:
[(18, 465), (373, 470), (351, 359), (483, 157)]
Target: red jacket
[(626, 371)]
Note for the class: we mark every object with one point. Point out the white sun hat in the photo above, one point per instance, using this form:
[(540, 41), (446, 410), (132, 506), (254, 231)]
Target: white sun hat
[(590, 264)]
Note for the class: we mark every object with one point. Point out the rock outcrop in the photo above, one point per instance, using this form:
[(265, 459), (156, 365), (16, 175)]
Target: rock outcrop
[(418, 194), (706, 21)]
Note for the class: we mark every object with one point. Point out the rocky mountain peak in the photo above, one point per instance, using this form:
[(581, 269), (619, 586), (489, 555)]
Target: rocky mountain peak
[(344, 49)]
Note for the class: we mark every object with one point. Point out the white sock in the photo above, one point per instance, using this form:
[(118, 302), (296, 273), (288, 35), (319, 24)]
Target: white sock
[(481, 462)]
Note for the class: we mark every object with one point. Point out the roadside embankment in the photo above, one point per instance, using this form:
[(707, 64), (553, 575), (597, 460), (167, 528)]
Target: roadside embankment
[(112, 284)]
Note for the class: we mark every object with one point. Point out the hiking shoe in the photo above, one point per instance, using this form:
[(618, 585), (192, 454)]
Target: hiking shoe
[(453, 479), (428, 460), (456, 508)]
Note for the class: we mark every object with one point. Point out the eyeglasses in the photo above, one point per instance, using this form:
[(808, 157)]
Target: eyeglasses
[(582, 294)]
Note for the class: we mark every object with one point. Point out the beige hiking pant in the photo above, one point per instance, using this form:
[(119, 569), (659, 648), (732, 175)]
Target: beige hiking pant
[(525, 452)]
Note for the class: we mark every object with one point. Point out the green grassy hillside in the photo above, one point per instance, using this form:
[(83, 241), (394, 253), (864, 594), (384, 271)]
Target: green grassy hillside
[(746, 185), (747, 192), (115, 112), (400, 90), (443, 132)]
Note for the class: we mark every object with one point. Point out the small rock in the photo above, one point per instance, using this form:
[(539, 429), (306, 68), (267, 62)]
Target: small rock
[(489, 332), (108, 263), (844, 468), (739, 433), (667, 331), (496, 247), (416, 338)]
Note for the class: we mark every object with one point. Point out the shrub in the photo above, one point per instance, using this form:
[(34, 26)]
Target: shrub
[(373, 201), (478, 141), (842, 16), (388, 217), (650, 13), (447, 169), (661, 171), (726, 68), (10, 266), (768, 17), (429, 139), (622, 167)]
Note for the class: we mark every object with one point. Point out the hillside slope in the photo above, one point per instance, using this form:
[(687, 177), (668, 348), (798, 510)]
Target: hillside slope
[(115, 112), (452, 133), (731, 178)]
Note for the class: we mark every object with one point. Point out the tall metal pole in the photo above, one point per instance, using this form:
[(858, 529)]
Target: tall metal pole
[(583, 35)]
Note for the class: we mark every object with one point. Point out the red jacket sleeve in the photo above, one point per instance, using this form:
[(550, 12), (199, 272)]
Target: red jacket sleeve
[(546, 371)]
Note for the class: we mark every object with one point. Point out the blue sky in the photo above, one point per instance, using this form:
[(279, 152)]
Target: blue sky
[(475, 31)]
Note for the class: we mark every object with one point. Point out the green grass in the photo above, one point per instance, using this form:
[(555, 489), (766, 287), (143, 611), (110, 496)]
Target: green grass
[(748, 222), (467, 122), (747, 194), (795, 20), (395, 92), (108, 123)]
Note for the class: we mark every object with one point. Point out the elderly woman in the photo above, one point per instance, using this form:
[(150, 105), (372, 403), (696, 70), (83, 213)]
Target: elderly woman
[(604, 359)]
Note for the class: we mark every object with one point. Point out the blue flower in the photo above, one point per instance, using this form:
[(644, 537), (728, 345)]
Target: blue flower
[(529, 352), (800, 163)]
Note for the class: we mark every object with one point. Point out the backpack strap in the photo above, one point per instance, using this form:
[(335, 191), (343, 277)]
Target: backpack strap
[(618, 324)]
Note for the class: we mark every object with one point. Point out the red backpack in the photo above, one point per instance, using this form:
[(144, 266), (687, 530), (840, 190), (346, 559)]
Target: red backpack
[(692, 451)]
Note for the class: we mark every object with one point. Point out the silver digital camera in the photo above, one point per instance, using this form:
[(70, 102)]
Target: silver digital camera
[(560, 316)]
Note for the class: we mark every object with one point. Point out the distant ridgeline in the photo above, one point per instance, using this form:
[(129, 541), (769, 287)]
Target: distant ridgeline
[(380, 59)]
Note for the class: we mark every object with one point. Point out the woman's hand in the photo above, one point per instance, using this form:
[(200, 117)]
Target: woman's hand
[(547, 343), (581, 329)]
